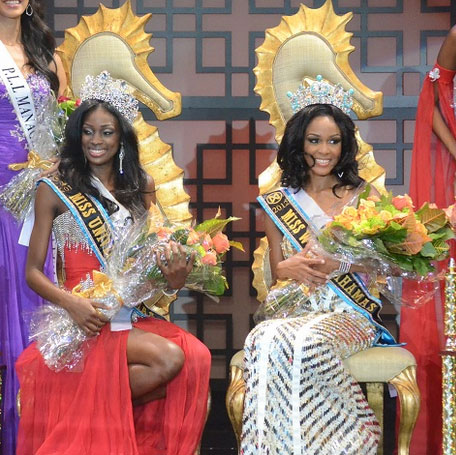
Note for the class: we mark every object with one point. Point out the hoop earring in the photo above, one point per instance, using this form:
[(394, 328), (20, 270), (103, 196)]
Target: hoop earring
[(121, 158), (29, 10), (340, 174)]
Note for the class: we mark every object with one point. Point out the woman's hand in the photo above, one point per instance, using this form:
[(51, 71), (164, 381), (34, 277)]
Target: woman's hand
[(86, 314), (55, 165), (177, 265), (303, 267)]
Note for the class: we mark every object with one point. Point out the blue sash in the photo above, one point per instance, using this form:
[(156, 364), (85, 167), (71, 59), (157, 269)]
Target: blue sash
[(286, 213), (89, 214)]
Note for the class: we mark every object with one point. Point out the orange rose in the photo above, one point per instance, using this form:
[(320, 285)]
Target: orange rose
[(402, 202), (221, 242), (209, 258)]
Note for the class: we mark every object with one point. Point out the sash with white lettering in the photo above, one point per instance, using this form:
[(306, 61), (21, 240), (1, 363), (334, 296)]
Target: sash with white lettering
[(90, 215), (19, 93), (293, 222)]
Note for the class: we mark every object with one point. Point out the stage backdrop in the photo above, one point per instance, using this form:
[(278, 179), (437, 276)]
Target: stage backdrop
[(205, 50)]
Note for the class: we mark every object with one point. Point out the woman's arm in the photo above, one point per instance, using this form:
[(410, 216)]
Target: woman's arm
[(447, 52), (149, 193), (446, 59), (57, 67), (83, 311)]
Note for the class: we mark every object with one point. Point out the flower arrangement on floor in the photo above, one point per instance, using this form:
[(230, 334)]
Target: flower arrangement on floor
[(18, 194), (388, 238), (132, 276)]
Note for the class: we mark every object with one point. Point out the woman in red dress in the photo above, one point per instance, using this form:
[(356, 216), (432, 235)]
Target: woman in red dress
[(143, 386), (432, 180)]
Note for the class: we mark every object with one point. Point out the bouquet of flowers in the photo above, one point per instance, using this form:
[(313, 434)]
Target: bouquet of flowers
[(17, 195), (388, 231), (387, 237), (132, 276)]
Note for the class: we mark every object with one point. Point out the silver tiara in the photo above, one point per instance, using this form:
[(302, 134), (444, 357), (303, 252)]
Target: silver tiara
[(113, 91), (320, 91)]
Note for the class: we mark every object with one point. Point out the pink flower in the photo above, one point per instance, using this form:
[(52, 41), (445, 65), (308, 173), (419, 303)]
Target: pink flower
[(209, 258), (402, 202), (451, 214), (221, 242), (206, 242), (62, 99)]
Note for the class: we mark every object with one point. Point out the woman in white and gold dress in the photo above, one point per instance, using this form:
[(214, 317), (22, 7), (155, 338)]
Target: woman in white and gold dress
[(299, 397)]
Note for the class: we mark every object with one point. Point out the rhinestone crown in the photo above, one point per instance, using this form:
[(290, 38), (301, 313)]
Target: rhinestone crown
[(320, 91), (113, 91)]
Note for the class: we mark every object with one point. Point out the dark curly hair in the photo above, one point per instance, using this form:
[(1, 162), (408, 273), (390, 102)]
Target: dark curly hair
[(290, 157), (39, 44), (130, 186)]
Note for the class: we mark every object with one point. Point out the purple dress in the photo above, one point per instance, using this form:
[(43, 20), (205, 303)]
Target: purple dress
[(17, 300)]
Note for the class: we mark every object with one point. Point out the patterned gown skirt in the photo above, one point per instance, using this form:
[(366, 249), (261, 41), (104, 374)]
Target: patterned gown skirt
[(300, 399)]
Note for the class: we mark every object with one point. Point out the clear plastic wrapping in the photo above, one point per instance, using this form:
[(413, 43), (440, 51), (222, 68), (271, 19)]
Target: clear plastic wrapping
[(18, 194), (132, 276)]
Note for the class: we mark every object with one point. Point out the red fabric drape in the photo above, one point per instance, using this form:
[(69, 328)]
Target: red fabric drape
[(432, 178)]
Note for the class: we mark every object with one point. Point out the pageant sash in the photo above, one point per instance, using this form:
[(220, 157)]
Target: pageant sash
[(296, 226), (90, 215), (19, 93)]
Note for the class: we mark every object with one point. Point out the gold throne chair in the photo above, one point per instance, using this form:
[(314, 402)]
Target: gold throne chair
[(312, 42), (115, 40)]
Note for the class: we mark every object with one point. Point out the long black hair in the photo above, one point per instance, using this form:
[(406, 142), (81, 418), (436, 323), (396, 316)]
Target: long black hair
[(290, 157), (39, 44), (74, 169)]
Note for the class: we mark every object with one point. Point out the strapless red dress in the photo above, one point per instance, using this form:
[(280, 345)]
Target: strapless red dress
[(90, 412)]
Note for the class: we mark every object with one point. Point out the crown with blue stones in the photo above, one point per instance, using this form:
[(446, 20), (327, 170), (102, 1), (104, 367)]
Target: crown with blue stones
[(113, 91), (320, 91)]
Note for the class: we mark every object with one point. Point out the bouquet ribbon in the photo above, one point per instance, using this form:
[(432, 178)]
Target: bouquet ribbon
[(102, 286), (34, 161)]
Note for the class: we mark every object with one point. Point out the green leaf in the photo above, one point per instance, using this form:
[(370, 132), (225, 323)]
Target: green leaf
[(394, 233), (180, 236), (422, 266), (214, 225), (428, 250), (446, 233), (432, 218), (442, 248), (365, 193), (237, 245)]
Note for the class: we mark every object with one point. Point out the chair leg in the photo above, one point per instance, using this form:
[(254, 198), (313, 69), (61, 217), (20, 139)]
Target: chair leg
[(209, 405), (409, 399), (235, 400), (375, 400)]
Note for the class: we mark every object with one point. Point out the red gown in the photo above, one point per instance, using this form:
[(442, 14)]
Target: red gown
[(90, 412), (432, 179)]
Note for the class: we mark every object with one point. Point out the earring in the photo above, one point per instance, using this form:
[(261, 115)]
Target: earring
[(29, 10), (121, 157), (340, 174)]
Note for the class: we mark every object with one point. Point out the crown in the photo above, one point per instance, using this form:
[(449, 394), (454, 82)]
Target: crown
[(320, 91), (113, 91)]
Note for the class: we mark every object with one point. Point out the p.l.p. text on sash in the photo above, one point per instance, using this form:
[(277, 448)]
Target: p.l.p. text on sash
[(88, 213), (19, 93), (294, 223)]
